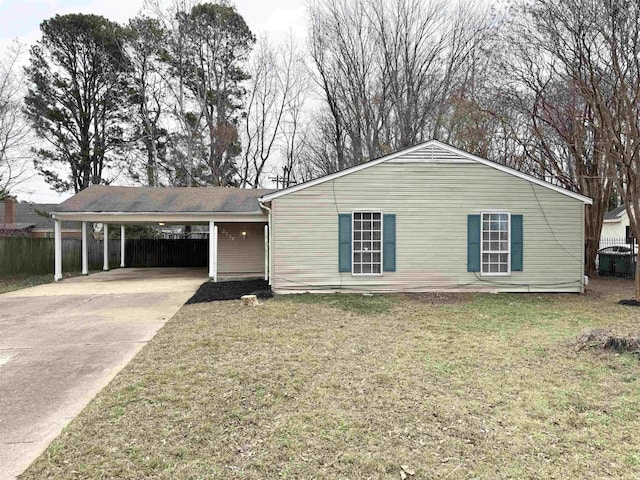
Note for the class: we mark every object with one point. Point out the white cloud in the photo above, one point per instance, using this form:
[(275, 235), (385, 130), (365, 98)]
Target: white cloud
[(51, 3), (285, 20), (37, 190), (115, 10)]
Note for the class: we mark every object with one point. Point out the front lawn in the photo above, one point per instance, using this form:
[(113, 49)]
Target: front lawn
[(345, 386)]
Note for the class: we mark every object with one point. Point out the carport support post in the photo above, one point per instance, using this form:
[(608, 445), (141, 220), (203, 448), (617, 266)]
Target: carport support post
[(105, 245), (85, 256), (57, 240), (121, 246), (213, 251)]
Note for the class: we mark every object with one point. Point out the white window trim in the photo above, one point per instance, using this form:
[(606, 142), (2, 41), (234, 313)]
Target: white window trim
[(482, 251), (381, 244)]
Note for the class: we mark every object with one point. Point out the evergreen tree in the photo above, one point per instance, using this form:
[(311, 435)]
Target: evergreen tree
[(76, 101)]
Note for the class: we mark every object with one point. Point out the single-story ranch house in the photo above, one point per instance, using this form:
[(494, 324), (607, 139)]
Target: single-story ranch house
[(427, 218)]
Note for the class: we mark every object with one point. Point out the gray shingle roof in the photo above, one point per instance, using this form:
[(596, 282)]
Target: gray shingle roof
[(100, 198), (15, 226), (615, 213), (36, 215)]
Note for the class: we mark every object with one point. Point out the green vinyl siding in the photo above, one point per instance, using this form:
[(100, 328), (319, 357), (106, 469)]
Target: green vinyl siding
[(431, 202)]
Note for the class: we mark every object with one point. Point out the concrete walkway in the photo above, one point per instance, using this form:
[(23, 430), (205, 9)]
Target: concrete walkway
[(61, 343)]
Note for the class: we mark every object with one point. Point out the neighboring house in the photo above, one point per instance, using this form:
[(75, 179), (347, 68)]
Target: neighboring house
[(427, 218), (614, 227), (15, 229), (31, 220), (9, 226)]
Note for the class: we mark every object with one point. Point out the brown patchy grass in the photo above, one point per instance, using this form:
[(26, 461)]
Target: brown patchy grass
[(345, 386), (9, 284)]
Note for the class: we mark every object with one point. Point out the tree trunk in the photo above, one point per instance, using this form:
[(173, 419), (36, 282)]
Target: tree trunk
[(637, 277), (594, 214)]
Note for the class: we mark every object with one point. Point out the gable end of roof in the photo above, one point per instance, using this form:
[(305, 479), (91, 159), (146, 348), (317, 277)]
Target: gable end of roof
[(393, 158), (615, 214)]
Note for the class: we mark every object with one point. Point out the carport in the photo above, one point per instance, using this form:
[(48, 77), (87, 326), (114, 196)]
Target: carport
[(238, 232)]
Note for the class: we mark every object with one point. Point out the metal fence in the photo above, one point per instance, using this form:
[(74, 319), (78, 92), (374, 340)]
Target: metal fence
[(613, 242), (35, 256), (616, 257)]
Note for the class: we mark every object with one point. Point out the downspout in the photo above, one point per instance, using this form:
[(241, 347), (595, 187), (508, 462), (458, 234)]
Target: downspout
[(268, 209)]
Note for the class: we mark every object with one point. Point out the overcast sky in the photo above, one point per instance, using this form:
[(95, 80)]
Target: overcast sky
[(20, 19)]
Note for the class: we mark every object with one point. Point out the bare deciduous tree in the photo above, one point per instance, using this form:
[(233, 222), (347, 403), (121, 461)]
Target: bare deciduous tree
[(563, 140), (14, 128), (388, 69), (606, 38), (273, 112), (269, 87), (296, 122)]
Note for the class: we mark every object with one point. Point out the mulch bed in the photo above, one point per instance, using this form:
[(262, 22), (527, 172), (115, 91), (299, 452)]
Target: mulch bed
[(435, 298), (630, 303), (232, 290)]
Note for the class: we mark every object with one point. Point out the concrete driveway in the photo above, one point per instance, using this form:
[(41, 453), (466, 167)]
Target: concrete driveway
[(61, 343)]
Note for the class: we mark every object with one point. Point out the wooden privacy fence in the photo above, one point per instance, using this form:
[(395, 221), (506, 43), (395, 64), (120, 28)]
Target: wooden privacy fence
[(147, 252), (35, 256)]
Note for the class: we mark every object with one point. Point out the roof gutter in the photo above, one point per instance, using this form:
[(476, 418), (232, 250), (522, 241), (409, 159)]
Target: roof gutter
[(204, 214)]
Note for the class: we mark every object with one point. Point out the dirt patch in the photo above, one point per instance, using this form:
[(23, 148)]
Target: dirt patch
[(436, 298), (607, 340), (603, 286), (348, 302), (233, 290)]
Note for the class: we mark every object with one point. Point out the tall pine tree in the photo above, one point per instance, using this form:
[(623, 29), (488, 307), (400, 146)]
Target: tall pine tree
[(75, 103)]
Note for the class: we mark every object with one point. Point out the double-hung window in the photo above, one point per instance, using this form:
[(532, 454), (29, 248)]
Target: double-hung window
[(496, 243), (367, 243)]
